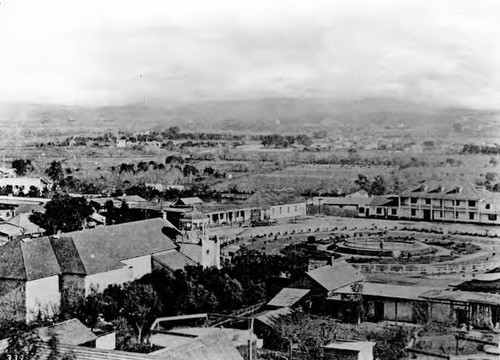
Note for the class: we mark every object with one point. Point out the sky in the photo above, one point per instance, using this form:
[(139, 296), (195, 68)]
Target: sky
[(109, 52)]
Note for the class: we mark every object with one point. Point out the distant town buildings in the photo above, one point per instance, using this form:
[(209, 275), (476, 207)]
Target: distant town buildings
[(24, 184)]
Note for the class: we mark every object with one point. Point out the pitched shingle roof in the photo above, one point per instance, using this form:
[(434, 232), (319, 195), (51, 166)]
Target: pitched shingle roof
[(332, 277), (11, 229), (69, 332), (23, 221), (288, 297), (128, 240), (188, 201), (28, 260), (39, 259), (173, 260), (271, 317), (12, 261), (192, 251), (67, 256), (446, 190), (389, 200), (212, 346)]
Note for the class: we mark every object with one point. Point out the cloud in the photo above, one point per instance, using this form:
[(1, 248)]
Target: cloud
[(87, 52)]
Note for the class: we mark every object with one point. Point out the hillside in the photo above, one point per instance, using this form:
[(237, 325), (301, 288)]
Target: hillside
[(284, 115)]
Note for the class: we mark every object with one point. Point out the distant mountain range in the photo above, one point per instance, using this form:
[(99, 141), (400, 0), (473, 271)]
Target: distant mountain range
[(254, 115)]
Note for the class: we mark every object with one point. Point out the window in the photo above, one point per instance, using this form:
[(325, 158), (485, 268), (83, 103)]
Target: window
[(472, 203), (427, 201), (471, 216), (488, 206), (414, 200), (379, 211), (288, 209), (394, 211), (456, 214), (441, 214), (361, 210), (413, 212), (492, 217), (458, 202)]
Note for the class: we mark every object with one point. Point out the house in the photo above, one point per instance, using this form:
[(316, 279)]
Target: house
[(10, 232), (388, 302), (226, 214), (277, 205), (358, 194), (36, 275), (19, 227), (9, 205), (450, 201), (188, 202), (192, 211), (354, 203), (481, 310), (324, 280), (352, 350), (70, 332), (212, 346), (171, 332), (381, 207), (23, 184), (266, 322)]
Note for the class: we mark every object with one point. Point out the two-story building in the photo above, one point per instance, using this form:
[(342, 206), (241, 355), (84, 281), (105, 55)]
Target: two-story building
[(450, 202)]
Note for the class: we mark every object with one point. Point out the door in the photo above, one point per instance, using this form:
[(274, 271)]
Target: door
[(379, 311), (427, 215)]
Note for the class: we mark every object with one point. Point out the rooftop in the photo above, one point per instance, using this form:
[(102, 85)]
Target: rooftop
[(350, 345), (388, 200), (174, 260), (463, 296), (69, 332), (123, 241), (335, 276), (270, 317), (447, 190), (288, 297), (388, 290)]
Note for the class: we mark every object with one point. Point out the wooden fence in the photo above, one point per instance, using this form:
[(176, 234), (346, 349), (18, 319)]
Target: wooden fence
[(427, 268)]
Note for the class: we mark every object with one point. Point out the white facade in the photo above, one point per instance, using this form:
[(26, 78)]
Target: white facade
[(23, 184), (140, 266), (101, 281), (287, 211), (42, 296)]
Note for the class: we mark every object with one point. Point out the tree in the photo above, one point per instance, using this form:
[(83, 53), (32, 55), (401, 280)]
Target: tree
[(141, 306), (378, 186), (303, 140), (55, 172), (189, 170), (390, 342), (22, 166), (33, 192), (362, 182), (63, 213)]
